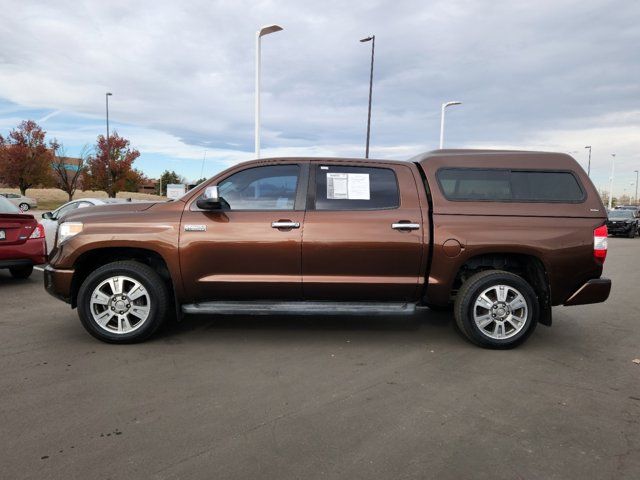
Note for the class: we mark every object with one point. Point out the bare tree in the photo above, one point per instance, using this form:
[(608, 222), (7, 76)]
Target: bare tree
[(68, 171)]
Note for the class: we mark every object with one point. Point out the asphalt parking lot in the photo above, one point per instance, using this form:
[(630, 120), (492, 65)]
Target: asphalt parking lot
[(279, 398)]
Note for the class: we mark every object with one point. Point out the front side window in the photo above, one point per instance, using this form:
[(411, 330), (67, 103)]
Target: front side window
[(271, 187), (509, 185), (356, 188)]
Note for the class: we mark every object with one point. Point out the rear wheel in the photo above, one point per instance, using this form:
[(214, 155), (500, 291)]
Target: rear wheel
[(24, 207), (123, 302), (496, 309), (21, 272)]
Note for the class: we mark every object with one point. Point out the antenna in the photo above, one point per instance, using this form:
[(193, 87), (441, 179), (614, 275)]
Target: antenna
[(203, 159)]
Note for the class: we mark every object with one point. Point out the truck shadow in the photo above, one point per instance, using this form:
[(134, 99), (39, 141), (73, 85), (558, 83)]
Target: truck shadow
[(217, 325)]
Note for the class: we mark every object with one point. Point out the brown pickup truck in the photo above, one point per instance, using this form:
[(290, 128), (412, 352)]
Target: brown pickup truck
[(499, 237)]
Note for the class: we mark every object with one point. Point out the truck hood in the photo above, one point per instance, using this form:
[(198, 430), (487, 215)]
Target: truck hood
[(85, 214)]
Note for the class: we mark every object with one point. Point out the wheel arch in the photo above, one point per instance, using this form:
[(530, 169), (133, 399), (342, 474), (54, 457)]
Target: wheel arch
[(528, 266), (93, 259)]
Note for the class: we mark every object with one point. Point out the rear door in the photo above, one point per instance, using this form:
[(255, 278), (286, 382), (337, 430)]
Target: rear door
[(252, 249), (363, 233)]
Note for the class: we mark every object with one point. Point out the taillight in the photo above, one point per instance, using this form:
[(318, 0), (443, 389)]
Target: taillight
[(38, 232), (600, 243)]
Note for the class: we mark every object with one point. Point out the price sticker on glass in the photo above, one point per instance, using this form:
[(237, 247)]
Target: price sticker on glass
[(348, 186)]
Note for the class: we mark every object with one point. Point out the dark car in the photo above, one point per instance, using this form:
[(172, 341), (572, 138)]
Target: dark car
[(22, 243), (499, 237), (623, 222)]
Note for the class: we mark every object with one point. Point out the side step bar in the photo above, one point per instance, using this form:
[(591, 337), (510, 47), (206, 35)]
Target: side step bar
[(299, 308)]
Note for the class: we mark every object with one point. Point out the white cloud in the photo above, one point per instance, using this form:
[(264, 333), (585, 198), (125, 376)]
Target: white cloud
[(553, 74)]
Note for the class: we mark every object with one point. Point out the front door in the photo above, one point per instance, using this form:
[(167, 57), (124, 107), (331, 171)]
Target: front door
[(251, 249), (363, 233)]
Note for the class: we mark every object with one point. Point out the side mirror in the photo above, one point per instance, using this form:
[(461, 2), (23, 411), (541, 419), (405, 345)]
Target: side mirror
[(210, 199), (47, 215)]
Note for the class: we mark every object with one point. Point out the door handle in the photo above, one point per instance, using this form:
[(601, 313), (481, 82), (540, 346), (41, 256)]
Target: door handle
[(405, 226), (285, 224)]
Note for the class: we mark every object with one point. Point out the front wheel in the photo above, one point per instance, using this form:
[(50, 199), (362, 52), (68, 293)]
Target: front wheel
[(496, 309), (123, 302), (24, 207)]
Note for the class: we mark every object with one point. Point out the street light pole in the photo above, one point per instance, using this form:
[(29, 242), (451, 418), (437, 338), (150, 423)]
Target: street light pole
[(371, 39), (444, 106), (636, 199), (589, 164), (613, 165), (266, 30), (107, 95)]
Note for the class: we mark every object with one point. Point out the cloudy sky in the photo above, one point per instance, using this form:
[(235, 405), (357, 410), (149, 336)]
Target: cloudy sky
[(544, 74)]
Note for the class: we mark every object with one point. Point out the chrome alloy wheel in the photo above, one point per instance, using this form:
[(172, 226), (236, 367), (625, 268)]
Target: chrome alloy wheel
[(500, 312), (120, 304)]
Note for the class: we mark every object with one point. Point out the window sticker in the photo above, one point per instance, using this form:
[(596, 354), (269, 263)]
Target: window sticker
[(348, 186), (337, 186)]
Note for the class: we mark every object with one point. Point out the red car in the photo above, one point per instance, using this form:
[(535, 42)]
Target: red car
[(22, 243)]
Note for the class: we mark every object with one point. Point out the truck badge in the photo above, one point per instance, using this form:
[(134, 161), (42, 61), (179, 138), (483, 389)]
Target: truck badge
[(195, 228)]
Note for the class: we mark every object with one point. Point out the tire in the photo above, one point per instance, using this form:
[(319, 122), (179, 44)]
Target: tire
[(24, 207), (21, 272), (506, 327), (632, 233), (115, 315)]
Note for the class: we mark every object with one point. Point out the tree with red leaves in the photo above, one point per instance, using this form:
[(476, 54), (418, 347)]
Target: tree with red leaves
[(67, 171), (25, 157), (109, 171)]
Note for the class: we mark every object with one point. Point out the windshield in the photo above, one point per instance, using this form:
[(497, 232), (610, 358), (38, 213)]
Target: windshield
[(620, 214), (7, 207)]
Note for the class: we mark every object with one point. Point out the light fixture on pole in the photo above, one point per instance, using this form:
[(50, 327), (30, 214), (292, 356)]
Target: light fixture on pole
[(109, 173), (613, 165), (589, 163), (371, 39), (444, 106), (266, 30)]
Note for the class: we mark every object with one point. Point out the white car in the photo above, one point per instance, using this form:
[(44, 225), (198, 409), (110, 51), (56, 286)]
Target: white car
[(23, 203), (50, 219)]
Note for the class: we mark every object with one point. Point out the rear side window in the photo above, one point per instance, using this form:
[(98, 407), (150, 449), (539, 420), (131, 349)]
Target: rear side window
[(500, 185), (546, 186), (464, 184), (356, 188), (7, 207)]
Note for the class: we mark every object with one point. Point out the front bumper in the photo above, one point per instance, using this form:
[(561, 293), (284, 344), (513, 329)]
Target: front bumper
[(594, 291), (620, 228), (58, 283)]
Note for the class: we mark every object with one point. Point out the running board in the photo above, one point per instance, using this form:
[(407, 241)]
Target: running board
[(299, 308)]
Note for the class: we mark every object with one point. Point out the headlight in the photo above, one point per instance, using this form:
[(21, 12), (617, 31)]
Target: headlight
[(68, 230)]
